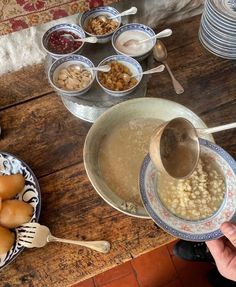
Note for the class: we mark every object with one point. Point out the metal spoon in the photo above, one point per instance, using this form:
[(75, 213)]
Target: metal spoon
[(158, 69), (131, 11), (104, 68), (162, 34), (160, 54), (84, 40), (175, 149)]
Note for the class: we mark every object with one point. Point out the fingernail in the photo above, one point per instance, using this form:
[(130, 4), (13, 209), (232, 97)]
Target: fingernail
[(228, 228)]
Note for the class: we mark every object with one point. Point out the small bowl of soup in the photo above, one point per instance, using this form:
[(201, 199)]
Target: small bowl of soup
[(193, 208), (133, 31)]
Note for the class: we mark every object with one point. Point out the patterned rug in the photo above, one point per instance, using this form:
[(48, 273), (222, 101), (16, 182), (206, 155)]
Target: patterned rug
[(20, 14)]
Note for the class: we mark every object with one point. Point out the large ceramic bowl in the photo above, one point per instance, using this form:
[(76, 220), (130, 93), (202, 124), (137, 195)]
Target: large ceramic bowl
[(134, 67), (10, 164), (146, 108), (192, 230), (67, 28), (132, 28), (100, 11), (64, 62)]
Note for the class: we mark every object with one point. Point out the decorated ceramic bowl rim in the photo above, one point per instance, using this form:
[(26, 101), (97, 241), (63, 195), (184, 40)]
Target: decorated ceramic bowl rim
[(15, 251), (98, 10), (118, 58), (187, 229), (64, 26), (128, 27), (70, 58)]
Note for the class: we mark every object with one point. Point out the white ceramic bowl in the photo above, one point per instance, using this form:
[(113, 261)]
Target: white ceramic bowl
[(132, 28), (64, 63), (129, 110), (76, 29), (99, 11), (133, 66), (192, 230)]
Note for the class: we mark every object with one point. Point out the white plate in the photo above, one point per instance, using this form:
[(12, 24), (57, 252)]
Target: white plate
[(9, 164), (137, 108)]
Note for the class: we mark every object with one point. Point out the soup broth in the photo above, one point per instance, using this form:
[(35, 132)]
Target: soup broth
[(121, 155), (196, 197)]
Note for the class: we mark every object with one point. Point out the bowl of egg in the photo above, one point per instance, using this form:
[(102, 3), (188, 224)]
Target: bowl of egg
[(71, 75), (133, 31), (123, 77), (56, 45), (193, 208), (20, 202), (96, 22)]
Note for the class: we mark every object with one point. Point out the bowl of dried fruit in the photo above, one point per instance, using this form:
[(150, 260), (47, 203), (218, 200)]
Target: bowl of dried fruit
[(194, 208), (96, 22), (71, 75), (56, 44), (123, 78)]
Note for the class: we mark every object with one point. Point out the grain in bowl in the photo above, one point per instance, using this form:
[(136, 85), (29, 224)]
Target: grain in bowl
[(196, 197)]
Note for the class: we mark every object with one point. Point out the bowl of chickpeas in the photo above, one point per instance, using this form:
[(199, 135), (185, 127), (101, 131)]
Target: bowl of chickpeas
[(96, 22), (193, 208), (123, 78), (71, 75)]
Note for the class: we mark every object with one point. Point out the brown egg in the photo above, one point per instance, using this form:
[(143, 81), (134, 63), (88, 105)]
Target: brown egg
[(10, 185), (7, 239), (14, 213)]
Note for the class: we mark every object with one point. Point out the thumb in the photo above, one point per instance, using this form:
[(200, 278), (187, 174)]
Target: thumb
[(229, 230)]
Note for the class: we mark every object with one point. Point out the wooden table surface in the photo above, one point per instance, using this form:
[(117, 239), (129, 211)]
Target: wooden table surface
[(38, 129)]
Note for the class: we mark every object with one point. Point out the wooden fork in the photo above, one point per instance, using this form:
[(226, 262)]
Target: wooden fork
[(35, 235)]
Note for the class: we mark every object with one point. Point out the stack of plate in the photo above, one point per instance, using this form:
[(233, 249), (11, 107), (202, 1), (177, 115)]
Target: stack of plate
[(217, 31)]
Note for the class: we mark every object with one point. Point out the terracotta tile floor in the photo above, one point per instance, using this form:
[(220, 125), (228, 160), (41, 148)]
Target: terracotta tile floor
[(158, 268)]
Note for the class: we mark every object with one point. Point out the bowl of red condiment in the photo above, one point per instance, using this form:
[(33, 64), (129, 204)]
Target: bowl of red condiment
[(57, 46)]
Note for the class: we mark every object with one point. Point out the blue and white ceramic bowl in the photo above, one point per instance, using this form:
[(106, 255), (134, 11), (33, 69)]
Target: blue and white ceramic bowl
[(76, 29), (100, 11), (134, 67), (133, 27), (9, 164), (64, 63), (199, 230)]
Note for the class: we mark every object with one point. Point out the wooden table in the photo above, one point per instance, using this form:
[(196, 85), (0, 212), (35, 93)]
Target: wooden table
[(38, 129)]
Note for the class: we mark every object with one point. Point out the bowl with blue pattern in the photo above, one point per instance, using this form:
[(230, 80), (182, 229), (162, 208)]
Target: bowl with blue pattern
[(57, 46), (133, 31), (64, 63), (133, 66), (204, 229), (10, 164), (106, 11)]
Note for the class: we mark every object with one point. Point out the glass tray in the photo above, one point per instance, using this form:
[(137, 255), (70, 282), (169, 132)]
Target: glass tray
[(91, 105)]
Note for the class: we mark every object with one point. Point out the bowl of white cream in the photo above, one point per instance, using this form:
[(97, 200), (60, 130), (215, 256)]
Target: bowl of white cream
[(133, 31)]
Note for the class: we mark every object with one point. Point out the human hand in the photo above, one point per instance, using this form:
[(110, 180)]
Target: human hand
[(224, 251)]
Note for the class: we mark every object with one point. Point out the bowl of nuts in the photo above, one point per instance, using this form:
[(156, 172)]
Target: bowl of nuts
[(136, 32), (57, 43), (193, 208), (123, 78), (96, 22), (71, 75)]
